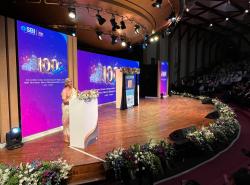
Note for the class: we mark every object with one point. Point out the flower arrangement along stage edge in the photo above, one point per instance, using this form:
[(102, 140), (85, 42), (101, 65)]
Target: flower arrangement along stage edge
[(36, 173), (155, 157)]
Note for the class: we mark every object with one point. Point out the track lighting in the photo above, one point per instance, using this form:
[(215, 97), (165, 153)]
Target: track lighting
[(99, 34), (113, 39), (72, 13), (114, 23), (157, 4), (123, 25), (100, 19), (137, 29)]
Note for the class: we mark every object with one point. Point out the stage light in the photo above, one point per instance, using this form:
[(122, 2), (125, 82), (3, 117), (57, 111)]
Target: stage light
[(114, 23), (187, 9), (14, 139), (123, 44), (246, 11), (123, 25), (156, 38), (113, 39), (99, 34), (137, 29), (168, 31), (100, 19), (152, 39), (130, 45), (227, 19), (153, 31), (157, 4), (144, 45), (210, 25), (72, 13)]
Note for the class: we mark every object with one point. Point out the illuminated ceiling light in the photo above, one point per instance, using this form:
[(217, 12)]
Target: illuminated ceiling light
[(246, 11), (187, 9), (113, 39), (227, 19), (156, 38), (100, 19), (153, 31), (99, 34), (137, 29), (73, 34), (152, 39), (72, 13), (123, 25), (157, 4), (129, 45), (114, 23), (123, 44), (210, 25)]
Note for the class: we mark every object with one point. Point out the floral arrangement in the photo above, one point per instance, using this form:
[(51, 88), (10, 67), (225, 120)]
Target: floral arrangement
[(153, 157), (36, 173), (128, 70), (88, 95)]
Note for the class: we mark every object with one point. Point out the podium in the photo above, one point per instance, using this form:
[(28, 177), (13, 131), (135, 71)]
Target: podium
[(83, 117)]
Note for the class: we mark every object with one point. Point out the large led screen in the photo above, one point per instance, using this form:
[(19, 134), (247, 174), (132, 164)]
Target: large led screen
[(42, 56), (96, 71)]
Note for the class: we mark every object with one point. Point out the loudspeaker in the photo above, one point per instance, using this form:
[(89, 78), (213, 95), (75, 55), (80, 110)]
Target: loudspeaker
[(213, 115), (207, 101)]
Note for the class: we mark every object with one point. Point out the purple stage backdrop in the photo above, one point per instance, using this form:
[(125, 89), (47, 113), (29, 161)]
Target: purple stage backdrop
[(164, 77), (96, 71), (42, 56)]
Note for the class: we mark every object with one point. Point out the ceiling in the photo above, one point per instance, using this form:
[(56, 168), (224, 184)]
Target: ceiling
[(54, 14), (227, 17)]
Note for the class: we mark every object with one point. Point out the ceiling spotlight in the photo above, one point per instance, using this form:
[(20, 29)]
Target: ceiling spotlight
[(123, 44), (156, 38), (168, 31), (129, 45), (144, 45), (187, 9), (153, 31), (137, 29), (157, 4), (123, 25), (246, 11), (73, 34), (114, 23), (227, 19), (113, 39), (152, 39), (100, 19), (72, 13), (99, 34), (210, 25)]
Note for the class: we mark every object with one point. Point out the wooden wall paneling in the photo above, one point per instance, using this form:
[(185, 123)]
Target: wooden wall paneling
[(75, 65), (4, 96), (12, 63), (70, 59)]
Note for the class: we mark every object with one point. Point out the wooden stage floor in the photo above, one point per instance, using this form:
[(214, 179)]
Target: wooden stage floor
[(152, 119)]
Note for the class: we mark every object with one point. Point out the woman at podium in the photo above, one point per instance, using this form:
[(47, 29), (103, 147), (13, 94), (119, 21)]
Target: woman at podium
[(68, 93)]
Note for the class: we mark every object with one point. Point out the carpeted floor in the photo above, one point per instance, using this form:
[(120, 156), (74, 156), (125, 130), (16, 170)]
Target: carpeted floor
[(227, 163)]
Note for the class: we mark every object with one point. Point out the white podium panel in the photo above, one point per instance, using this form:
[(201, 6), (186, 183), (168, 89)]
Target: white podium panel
[(83, 117)]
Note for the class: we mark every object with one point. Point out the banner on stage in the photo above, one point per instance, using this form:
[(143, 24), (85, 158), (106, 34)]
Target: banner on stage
[(43, 67)]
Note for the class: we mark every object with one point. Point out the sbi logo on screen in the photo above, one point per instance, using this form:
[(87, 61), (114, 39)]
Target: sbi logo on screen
[(32, 31)]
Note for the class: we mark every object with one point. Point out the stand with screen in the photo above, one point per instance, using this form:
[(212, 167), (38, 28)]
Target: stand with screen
[(127, 89), (83, 117)]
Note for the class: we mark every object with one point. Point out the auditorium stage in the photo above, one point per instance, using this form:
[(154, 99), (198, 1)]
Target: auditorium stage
[(152, 119)]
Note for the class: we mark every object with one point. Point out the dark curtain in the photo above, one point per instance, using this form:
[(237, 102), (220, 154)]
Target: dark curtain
[(136, 90), (124, 99)]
